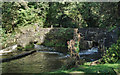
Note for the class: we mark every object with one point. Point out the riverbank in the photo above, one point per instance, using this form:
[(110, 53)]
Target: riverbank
[(87, 69)]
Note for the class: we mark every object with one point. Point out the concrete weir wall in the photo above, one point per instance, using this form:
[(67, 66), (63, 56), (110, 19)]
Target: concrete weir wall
[(58, 37)]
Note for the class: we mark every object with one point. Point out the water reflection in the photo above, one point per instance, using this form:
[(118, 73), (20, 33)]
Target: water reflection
[(44, 61), (34, 63)]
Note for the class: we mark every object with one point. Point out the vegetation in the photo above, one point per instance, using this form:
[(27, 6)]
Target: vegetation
[(58, 14), (87, 69), (65, 15), (54, 42), (112, 55)]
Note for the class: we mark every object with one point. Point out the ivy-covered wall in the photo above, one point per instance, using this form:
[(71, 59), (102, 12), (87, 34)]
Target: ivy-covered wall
[(58, 37)]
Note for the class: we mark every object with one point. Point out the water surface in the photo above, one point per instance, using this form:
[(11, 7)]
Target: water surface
[(35, 63), (44, 61)]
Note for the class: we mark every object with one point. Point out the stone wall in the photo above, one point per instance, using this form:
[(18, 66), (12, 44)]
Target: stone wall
[(58, 37), (92, 37), (51, 37)]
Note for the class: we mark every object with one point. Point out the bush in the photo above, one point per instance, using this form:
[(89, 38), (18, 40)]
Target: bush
[(112, 55)]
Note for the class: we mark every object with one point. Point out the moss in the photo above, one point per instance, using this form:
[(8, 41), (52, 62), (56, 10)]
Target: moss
[(38, 43), (49, 43), (58, 38), (55, 43), (29, 46), (20, 48)]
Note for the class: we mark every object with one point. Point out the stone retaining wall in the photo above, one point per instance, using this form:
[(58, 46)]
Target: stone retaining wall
[(97, 37), (58, 37)]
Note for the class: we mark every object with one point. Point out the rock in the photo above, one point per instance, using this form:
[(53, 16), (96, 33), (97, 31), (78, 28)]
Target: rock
[(8, 49), (95, 62)]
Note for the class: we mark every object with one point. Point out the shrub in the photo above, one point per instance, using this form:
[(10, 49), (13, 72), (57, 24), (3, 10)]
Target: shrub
[(112, 55)]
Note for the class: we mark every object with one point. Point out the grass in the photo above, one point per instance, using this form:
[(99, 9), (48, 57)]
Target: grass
[(86, 69)]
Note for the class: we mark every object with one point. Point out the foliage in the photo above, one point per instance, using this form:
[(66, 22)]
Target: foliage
[(82, 14), (58, 37), (20, 48), (6, 38), (73, 47), (77, 46), (35, 14), (57, 16), (65, 14), (112, 55), (29, 46), (3, 37), (15, 14), (112, 28)]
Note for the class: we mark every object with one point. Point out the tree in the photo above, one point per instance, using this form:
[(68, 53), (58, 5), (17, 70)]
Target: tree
[(9, 15), (65, 14), (17, 14)]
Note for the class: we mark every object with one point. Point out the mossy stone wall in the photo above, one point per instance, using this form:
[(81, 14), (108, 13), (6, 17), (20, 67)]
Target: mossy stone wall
[(58, 37)]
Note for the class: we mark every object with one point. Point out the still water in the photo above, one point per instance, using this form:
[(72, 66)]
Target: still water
[(35, 63), (44, 61)]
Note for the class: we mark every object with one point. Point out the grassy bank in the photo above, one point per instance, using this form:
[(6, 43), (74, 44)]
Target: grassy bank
[(87, 69)]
